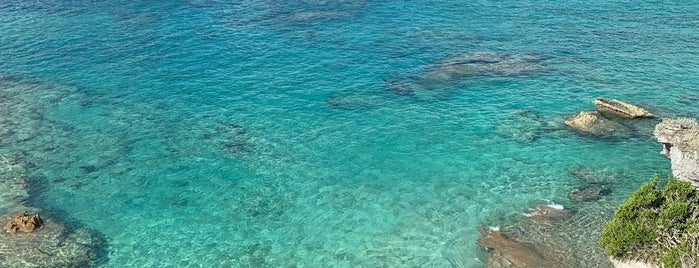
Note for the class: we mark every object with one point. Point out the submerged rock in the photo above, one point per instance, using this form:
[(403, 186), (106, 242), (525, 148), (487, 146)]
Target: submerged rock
[(523, 127), (588, 193), (234, 138), (618, 108), (590, 175), (510, 251), (22, 222), (593, 123), (680, 140), (51, 245), (354, 101), (438, 80), (485, 63)]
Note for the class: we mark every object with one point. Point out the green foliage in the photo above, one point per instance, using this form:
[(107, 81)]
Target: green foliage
[(678, 190), (620, 238), (656, 225), (672, 259)]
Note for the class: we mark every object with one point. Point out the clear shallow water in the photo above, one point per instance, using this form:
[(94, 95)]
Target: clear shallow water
[(200, 134)]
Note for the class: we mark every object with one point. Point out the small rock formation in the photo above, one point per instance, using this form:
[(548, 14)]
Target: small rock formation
[(22, 222), (607, 121), (592, 122), (618, 108), (510, 251), (680, 140), (53, 245)]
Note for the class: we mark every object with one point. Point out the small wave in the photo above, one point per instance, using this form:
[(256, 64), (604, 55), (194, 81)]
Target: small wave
[(555, 206)]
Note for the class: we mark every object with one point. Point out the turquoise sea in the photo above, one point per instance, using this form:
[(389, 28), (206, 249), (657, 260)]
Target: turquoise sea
[(272, 134)]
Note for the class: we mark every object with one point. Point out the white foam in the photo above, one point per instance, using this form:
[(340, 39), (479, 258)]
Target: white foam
[(555, 206), (494, 228)]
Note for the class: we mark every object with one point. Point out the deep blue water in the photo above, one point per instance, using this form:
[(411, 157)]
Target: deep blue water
[(203, 133)]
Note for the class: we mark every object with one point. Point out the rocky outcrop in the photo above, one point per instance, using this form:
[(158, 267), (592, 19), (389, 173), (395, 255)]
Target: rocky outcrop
[(593, 123), (611, 120), (613, 107), (23, 222), (680, 140)]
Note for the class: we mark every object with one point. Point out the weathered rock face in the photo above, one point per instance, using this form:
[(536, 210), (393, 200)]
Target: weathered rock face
[(22, 222), (592, 122), (680, 140), (611, 120), (618, 108)]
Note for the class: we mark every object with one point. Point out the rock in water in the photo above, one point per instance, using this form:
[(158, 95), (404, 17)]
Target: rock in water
[(513, 252), (592, 122), (52, 245), (22, 222), (621, 109), (680, 140), (588, 193)]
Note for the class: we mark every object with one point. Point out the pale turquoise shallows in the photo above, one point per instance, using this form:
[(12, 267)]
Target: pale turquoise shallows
[(266, 133)]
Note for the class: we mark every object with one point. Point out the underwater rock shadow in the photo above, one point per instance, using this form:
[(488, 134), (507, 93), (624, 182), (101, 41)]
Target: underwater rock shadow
[(527, 126), (440, 78)]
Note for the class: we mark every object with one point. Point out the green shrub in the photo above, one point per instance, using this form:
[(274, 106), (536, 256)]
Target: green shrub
[(672, 259), (654, 225)]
